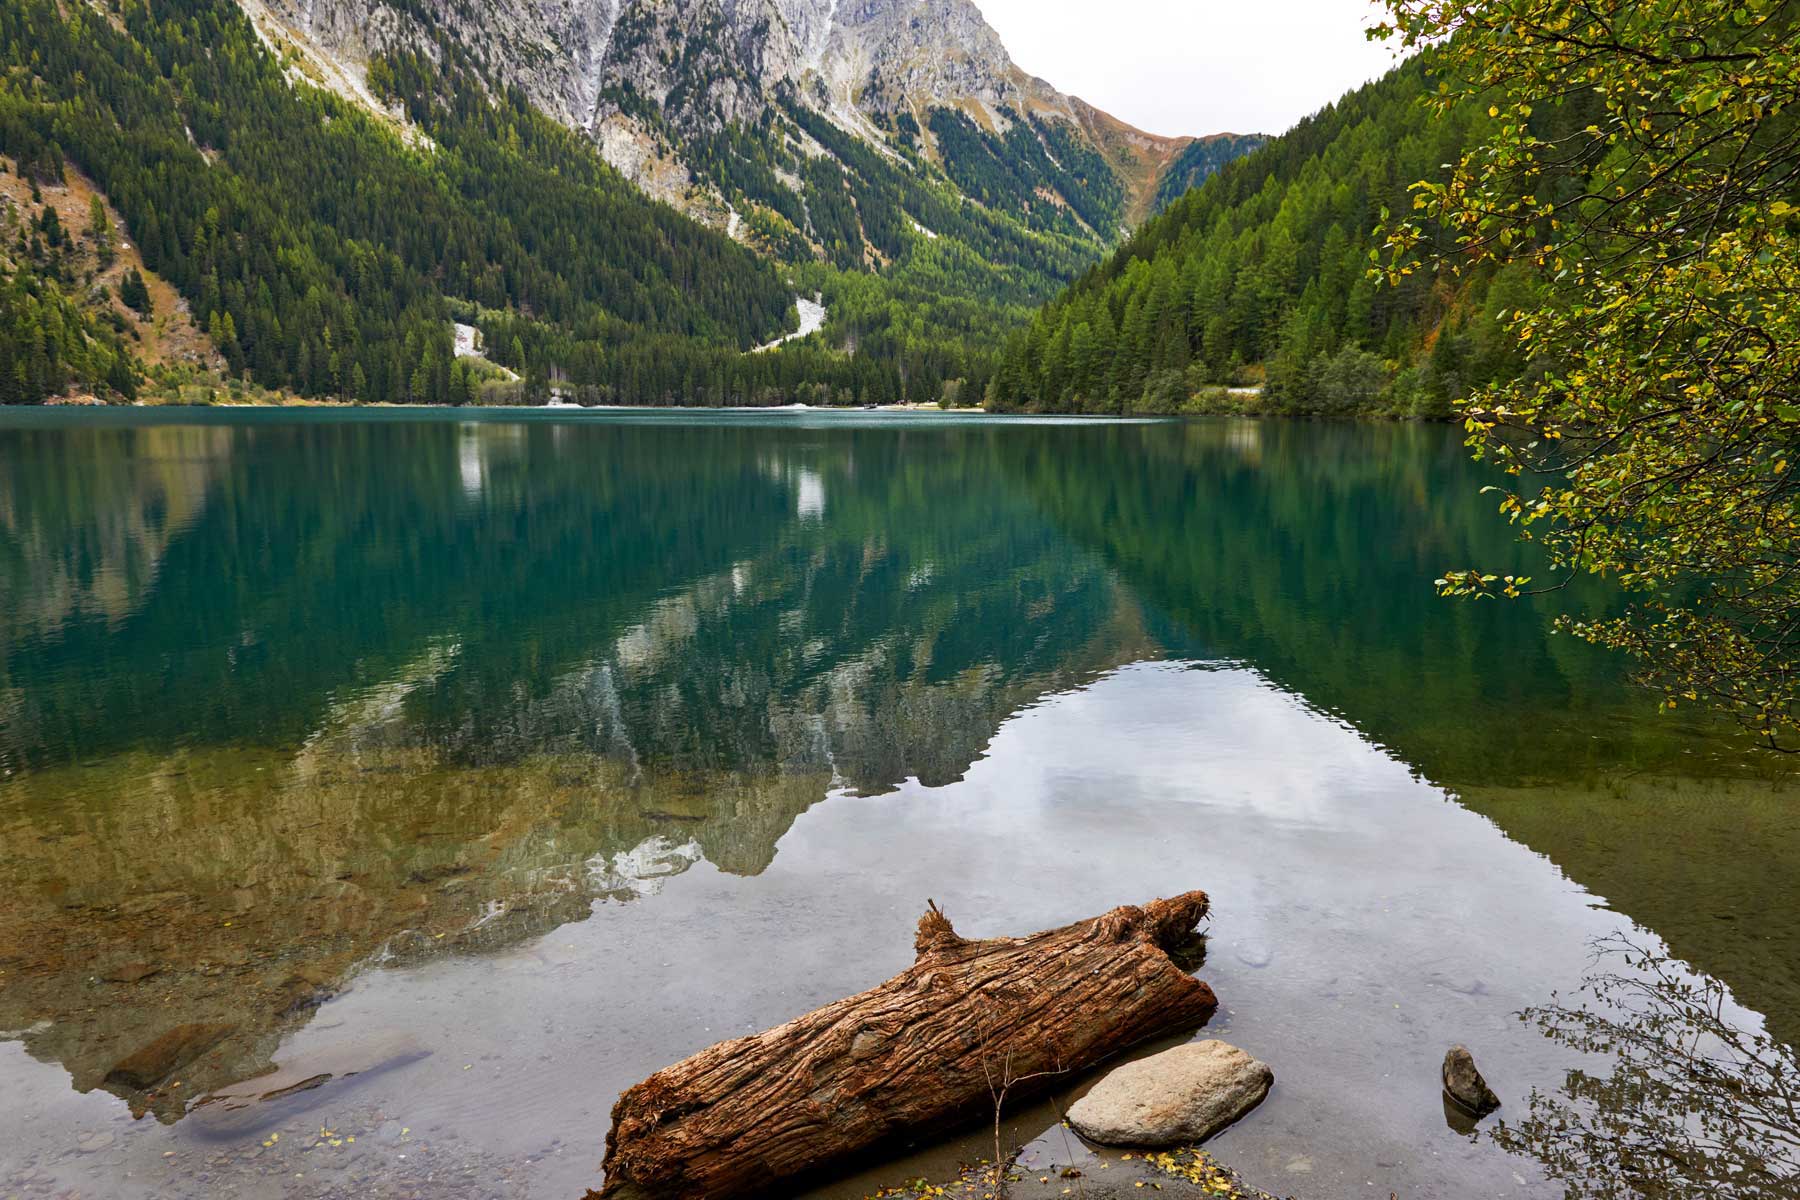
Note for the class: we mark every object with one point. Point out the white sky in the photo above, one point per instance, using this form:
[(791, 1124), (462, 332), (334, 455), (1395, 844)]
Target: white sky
[(1195, 66)]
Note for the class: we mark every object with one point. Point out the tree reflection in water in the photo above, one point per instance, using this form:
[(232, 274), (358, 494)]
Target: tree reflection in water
[(1694, 1105)]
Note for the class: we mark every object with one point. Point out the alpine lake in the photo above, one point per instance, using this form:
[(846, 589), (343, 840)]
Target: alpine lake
[(486, 763)]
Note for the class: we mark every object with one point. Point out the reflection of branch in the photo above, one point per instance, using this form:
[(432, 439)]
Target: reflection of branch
[(1695, 1105), (1062, 1127)]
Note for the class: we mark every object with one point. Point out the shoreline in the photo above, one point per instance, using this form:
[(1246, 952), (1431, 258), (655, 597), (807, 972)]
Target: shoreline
[(1365, 418), (539, 408)]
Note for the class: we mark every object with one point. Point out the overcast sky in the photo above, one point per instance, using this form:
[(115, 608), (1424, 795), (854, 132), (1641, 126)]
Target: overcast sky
[(1195, 66)]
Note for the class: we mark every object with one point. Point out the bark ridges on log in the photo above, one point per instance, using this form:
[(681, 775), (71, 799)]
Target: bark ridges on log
[(922, 1053)]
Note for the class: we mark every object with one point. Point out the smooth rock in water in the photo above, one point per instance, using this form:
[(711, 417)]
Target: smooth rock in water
[(1464, 1084), (252, 1105), (1178, 1097), (151, 1064)]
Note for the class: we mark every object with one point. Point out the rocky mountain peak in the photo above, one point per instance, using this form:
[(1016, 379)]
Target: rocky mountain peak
[(650, 80)]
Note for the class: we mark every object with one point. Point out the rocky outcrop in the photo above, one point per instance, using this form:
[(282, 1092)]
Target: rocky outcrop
[(913, 55), (1176, 1098), (646, 77)]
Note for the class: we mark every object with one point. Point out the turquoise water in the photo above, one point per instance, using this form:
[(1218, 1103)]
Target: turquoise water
[(512, 757)]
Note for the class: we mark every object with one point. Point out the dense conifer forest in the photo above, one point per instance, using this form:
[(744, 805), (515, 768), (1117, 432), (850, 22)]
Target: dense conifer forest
[(1261, 277)]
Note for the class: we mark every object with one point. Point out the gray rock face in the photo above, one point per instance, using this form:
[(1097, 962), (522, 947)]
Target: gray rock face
[(703, 65), (1464, 1084), (914, 54), (707, 62), (1178, 1097)]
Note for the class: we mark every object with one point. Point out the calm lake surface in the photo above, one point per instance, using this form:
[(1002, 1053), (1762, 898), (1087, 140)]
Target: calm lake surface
[(503, 760)]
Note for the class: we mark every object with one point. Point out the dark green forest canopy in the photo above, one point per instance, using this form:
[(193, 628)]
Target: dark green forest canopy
[(1261, 275)]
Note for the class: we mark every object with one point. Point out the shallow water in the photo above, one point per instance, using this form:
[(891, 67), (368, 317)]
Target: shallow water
[(503, 760)]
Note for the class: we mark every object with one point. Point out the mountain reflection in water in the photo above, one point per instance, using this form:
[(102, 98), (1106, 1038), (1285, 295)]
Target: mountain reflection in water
[(373, 715), (284, 699)]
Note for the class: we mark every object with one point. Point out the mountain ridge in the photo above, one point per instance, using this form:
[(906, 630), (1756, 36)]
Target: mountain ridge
[(647, 79)]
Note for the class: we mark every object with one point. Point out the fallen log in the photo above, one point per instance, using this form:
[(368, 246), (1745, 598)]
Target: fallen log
[(930, 1050)]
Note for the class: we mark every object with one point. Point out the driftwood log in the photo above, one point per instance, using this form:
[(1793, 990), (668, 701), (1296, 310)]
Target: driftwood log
[(928, 1051)]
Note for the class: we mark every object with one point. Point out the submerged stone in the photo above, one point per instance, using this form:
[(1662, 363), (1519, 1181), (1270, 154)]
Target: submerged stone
[(255, 1104)]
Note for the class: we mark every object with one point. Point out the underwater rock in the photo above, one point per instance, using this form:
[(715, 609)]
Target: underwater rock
[(252, 1105)]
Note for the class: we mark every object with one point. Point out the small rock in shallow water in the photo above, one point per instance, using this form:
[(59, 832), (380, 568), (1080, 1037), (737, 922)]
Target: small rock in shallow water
[(250, 1106), (1180, 1096), (1464, 1084), (1256, 955)]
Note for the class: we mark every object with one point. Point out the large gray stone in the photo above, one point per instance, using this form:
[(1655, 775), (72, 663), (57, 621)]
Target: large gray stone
[(1178, 1097)]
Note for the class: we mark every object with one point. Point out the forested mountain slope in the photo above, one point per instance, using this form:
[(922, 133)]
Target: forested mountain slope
[(888, 151), (328, 187), (694, 99), (78, 307), (1260, 276), (320, 250)]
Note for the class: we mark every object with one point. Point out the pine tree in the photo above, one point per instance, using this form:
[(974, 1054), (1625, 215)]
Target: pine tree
[(134, 294), (100, 230)]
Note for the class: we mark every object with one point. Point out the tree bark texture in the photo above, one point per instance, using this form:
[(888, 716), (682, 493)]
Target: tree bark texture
[(926, 1052)]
